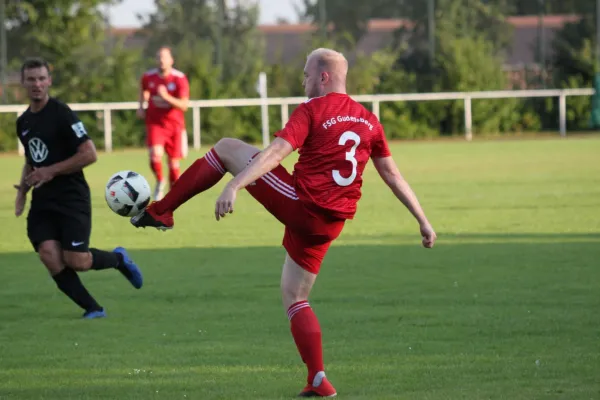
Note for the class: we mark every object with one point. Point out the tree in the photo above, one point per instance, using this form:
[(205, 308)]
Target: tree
[(575, 65), (232, 32), (351, 16), (72, 36), (69, 34), (470, 38), (174, 22), (458, 19), (574, 50), (534, 7), (219, 48)]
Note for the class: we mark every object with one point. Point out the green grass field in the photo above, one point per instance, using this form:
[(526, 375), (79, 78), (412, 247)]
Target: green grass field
[(506, 306)]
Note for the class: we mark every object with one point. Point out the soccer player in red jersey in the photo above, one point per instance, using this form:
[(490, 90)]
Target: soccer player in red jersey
[(167, 92), (335, 137)]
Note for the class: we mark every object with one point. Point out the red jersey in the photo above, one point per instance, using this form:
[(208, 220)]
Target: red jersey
[(335, 136), (159, 111)]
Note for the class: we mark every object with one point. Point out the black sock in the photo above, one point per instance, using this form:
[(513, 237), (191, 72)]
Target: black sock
[(69, 283), (107, 259)]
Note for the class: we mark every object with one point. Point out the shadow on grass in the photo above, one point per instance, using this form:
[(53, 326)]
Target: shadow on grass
[(200, 274)]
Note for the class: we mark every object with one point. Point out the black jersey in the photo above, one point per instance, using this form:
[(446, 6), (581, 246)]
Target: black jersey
[(50, 136)]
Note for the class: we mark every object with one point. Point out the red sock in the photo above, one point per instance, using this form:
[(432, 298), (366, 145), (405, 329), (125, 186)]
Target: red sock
[(156, 167), (173, 175), (203, 174), (307, 335)]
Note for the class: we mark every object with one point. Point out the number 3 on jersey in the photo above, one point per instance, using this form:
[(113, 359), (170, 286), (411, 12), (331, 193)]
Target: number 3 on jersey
[(337, 177)]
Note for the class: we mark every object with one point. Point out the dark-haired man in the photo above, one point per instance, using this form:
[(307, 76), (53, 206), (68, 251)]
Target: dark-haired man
[(59, 223)]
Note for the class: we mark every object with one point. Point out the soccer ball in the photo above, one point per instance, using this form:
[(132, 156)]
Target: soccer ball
[(127, 193)]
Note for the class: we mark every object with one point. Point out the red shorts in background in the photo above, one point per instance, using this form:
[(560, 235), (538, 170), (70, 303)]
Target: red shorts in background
[(308, 234), (168, 136)]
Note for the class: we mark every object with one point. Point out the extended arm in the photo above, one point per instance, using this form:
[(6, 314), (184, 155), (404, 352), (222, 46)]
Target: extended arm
[(264, 162), (387, 169), (290, 138)]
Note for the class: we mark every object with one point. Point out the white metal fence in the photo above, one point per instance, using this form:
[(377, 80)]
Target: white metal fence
[(285, 102)]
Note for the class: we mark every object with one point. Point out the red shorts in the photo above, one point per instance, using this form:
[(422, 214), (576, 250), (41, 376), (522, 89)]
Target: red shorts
[(168, 136), (308, 234)]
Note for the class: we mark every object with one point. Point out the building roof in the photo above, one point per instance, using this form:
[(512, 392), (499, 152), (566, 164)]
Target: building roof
[(286, 42)]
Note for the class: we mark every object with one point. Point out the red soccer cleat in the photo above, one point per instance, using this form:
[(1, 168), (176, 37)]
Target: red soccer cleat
[(149, 217), (320, 387)]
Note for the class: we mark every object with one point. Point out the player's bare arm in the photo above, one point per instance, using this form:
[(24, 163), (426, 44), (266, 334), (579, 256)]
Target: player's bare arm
[(22, 189), (264, 162), (86, 155), (387, 169), (143, 98), (180, 103)]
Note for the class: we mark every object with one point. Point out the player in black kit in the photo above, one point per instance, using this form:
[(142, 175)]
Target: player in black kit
[(59, 222)]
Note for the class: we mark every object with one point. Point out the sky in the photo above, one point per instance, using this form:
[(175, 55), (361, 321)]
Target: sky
[(124, 15)]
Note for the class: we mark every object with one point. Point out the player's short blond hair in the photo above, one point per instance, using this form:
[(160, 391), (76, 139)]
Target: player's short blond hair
[(328, 58)]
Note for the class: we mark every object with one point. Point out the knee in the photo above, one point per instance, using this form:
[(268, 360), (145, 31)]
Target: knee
[(291, 294), (50, 257), (227, 146), (47, 253), (78, 261), (174, 164), (156, 153)]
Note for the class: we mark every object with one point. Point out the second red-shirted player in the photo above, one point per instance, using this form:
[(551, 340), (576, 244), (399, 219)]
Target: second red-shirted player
[(167, 91)]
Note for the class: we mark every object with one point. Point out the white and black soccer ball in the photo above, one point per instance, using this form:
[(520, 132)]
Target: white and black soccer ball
[(127, 193)]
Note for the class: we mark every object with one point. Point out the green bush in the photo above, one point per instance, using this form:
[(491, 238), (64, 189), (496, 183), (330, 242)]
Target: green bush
[(462, 64)]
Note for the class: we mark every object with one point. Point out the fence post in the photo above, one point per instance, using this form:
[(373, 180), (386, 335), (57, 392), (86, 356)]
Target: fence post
[(285, 114), (196, 127), (376, 108), (264, 108), (107, 130), (468, 119), (562, 114), (20, 147)]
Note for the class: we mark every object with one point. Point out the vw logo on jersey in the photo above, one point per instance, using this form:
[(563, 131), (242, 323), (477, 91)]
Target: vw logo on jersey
[(171, 86), (38, 150)]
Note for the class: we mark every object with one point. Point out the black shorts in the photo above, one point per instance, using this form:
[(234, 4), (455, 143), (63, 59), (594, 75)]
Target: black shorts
[(71, 229)]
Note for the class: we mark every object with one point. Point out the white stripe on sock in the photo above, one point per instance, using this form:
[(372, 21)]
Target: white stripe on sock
[(212, 160), (295, 309)]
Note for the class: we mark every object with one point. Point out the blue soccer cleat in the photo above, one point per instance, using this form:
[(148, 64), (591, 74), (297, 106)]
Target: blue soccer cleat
[(129, 269), (94, 314)]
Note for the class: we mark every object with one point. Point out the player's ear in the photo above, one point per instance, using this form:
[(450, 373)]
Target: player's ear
[(324, 77)]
